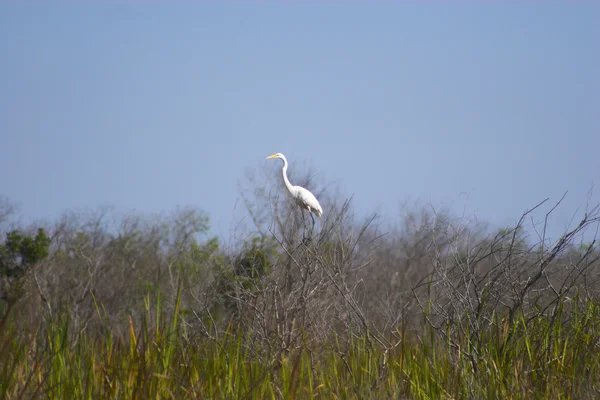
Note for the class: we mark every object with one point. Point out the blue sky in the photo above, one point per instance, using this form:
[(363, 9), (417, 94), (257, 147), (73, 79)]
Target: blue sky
[(150, 105)]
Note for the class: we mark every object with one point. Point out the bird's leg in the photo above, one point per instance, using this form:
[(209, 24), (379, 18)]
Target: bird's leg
[(303, 229), (306, 239), (303, 226)]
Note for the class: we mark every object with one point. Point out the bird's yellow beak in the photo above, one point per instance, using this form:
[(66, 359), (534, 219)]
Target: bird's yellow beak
[(272, 156)]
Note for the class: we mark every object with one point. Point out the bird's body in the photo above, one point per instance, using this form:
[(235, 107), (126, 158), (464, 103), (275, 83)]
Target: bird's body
[(307, 200), (303, 197)]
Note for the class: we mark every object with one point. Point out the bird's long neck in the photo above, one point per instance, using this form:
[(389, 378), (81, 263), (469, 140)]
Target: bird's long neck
[(285, 178)]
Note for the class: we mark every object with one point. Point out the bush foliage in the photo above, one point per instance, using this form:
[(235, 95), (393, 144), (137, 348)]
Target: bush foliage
[(95, 306)]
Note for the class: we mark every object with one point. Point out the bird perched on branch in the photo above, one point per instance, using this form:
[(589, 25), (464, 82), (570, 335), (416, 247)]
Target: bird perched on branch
[(303, 197)]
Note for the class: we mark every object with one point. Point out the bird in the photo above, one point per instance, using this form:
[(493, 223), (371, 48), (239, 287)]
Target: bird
[(303, 197)]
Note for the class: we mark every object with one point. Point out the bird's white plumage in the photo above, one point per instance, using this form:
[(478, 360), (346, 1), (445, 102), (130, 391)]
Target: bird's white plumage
[(303, 197)]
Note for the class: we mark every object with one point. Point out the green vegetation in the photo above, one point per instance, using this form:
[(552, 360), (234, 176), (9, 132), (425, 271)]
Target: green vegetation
[(161, 358), (434, 309)]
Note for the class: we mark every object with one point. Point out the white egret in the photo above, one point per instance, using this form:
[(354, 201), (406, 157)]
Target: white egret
[(303, 197)]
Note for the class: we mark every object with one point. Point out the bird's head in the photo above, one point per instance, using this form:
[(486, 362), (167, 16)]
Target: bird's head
[(276, 155)]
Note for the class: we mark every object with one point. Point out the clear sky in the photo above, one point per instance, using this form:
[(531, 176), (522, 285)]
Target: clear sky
[(151, 105)]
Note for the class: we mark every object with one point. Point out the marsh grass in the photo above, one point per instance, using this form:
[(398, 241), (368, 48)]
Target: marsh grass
[(159, 357)]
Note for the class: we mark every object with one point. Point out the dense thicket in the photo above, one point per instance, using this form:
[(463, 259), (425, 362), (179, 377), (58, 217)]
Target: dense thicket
[(429, 280)]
